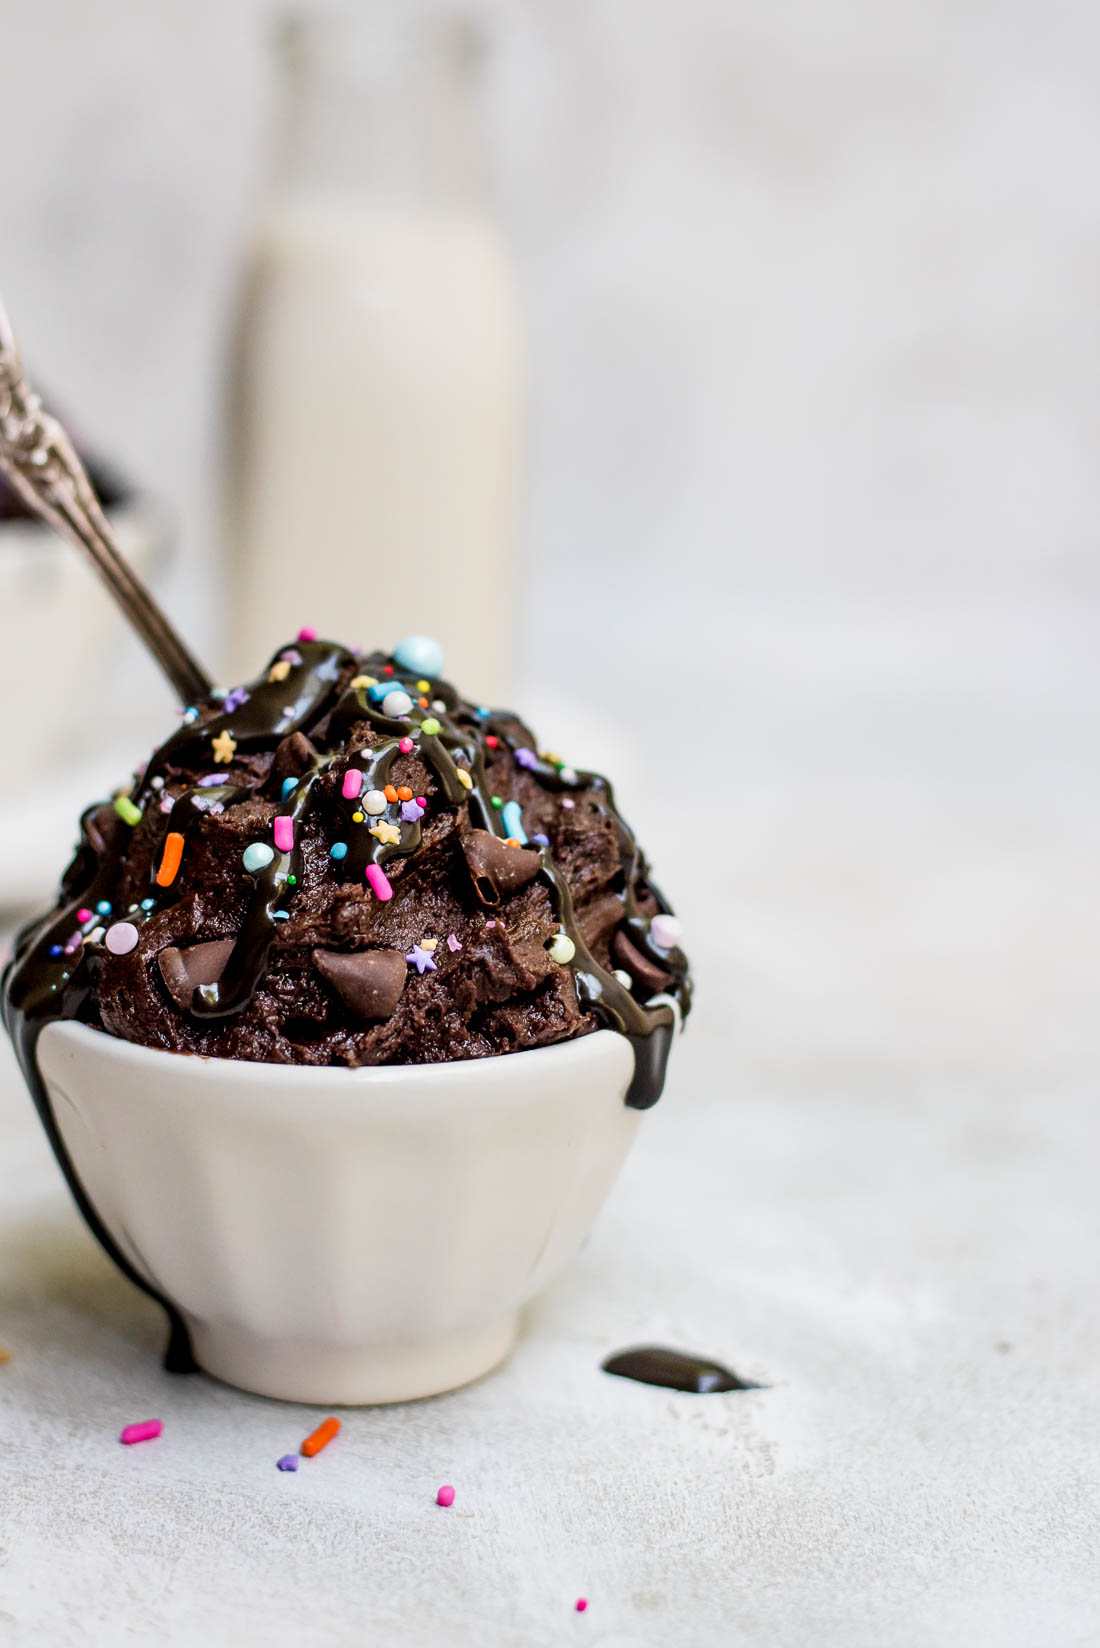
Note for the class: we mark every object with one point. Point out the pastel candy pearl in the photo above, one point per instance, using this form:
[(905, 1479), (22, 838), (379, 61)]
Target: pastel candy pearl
[(374, 802), (396, 703), (257, 856), (121, 938), (665, 931), (562, 949), (420, 654)]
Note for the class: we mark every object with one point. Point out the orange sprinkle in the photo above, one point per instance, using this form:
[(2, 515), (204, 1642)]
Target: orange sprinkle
[(423, 702), (320, 1438), (404, 793), (170, 863), (390, 793), (513, 841)]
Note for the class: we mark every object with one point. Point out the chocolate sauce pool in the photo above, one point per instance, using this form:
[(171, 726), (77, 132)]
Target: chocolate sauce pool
[(675, 1370), (55, 967)]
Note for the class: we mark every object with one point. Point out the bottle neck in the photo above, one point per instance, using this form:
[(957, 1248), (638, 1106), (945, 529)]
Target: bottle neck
[(379, 104)]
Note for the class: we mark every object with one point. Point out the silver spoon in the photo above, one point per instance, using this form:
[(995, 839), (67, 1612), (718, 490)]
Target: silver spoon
[(39, 460)]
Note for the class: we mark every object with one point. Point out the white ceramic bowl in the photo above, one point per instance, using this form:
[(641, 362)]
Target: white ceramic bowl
[(344, 1236)]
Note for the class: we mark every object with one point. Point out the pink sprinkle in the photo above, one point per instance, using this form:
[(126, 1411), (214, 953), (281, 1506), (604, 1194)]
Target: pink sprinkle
[(567, 801), (353, 783), (489, 924), (83, 915), (452, 942), (445, 1496), (405, 746), (307, 635), (284, 833), (141, 1433), (379, 881), (581, 1604), (420, 801)]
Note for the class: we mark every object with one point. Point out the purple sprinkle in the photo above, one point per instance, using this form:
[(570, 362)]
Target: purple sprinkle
[(489, 924), (526, 758), (235, 698), (167, 804), (291, 655), (289, 1462), (452, 942), (421, 959), (210, 779), (411, 811), (541, 840)]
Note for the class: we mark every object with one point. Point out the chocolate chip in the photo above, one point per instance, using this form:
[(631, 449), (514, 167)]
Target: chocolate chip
[(293, 756), (184, 970), (625, 954), (495, 868), (370, 982)]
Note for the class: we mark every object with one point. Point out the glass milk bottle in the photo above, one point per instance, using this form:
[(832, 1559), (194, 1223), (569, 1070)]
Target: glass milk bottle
[(377, 393)]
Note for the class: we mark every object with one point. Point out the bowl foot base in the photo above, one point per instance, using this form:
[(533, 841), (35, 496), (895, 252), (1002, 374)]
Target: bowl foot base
[(351, 1376)]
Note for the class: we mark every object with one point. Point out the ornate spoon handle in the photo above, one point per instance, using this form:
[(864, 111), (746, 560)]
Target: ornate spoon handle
[(38, 458)]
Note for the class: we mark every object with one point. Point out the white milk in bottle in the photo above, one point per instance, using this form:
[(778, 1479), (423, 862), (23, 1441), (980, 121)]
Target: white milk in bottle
[(377, 408)]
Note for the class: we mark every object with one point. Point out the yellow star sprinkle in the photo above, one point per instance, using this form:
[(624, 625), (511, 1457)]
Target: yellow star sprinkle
[(223, 747), (464, 778), (387, 833), (362, 682), (279, 670)]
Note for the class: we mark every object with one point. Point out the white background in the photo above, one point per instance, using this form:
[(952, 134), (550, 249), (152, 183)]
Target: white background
[(812, 299)]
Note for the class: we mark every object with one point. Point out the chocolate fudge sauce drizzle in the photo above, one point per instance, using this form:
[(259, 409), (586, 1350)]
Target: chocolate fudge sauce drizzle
[(305, 698)]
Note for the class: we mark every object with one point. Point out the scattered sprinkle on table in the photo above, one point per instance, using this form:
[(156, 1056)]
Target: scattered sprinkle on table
[(581, 1604), (143, 1432), (289, 1462), (445, 1496), (321, 1437), (5, 1358)]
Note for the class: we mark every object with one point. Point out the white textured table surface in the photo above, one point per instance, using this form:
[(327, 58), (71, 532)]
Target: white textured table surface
[(871, 1185)]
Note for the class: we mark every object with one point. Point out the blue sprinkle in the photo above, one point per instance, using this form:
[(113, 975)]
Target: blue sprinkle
[(513, 821), (339, 849), (381, 688), (288, 785), (190, 714), (55, 949), (542, 840), (103, 908), (280, 915), (482, 713), (148, 903)]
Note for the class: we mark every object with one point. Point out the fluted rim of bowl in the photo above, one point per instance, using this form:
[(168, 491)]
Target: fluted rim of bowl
[(254, 1072)]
